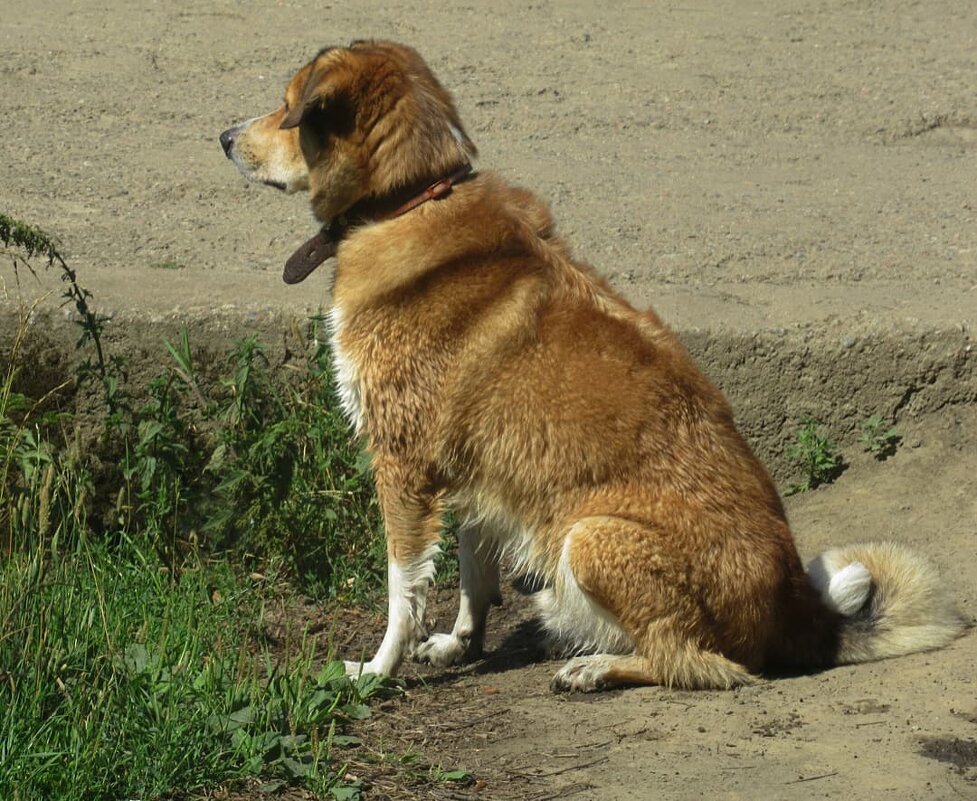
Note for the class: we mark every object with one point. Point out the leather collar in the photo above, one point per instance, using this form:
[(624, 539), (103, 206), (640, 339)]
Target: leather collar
[(325, 243)]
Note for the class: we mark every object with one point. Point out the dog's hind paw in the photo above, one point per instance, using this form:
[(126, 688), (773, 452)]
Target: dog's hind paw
[(585, 674), (441, 650)]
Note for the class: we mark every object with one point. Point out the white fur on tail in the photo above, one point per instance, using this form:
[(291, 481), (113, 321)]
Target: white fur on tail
[(844, 588), (893, 601)]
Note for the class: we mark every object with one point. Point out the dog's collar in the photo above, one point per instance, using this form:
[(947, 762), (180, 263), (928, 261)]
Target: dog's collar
[(325, 243), (312, 253)]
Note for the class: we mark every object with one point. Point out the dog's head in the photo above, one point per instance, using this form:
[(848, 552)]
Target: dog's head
[(363, 121)]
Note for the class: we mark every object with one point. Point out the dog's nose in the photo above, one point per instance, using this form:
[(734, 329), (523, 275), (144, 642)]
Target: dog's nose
[(227, 139)]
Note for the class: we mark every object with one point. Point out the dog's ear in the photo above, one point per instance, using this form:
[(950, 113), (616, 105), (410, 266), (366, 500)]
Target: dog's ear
[(318, 92)]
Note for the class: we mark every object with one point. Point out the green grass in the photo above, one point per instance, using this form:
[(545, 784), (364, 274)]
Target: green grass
[(132, 662), (129, 667), (120, 679), (131, 658)]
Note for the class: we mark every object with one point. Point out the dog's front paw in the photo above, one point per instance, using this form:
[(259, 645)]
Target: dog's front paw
[(356, 669), (441, 650)]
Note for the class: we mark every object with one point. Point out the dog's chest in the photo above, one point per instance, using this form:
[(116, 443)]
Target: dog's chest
[(345, 372)]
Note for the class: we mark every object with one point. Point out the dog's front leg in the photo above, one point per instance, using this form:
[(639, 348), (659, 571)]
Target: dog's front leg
[(478, 568), (412, 519)]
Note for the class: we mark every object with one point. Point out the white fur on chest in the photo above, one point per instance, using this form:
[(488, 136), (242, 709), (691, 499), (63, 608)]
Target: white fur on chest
[(344, 370)]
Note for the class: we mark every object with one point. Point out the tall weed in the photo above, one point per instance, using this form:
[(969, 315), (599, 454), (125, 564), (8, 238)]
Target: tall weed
[(290, 480)]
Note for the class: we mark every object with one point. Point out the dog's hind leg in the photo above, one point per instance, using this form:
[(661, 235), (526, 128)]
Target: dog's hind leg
[(676, 663), (412, 519), (619, 575), (478, 568)]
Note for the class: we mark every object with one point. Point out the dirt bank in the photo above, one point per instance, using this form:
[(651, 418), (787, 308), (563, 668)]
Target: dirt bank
[(790, 186)]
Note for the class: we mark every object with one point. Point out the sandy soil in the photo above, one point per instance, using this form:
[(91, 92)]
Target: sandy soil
[(901, 729), (735, 147), (736, 163)]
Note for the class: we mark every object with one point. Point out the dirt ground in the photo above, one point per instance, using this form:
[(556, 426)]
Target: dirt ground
[(901, 729), (749, 150), (743, 165)]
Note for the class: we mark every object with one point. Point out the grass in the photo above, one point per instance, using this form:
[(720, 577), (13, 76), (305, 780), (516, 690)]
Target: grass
[(131, 659), (120, 679)]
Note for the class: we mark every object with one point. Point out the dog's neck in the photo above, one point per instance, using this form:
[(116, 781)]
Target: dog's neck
[(326, 242)]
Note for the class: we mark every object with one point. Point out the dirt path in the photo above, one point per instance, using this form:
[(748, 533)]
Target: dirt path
[(733, 147)]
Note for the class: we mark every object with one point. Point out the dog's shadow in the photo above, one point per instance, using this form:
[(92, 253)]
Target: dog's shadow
[(522, 646), (525, 642)]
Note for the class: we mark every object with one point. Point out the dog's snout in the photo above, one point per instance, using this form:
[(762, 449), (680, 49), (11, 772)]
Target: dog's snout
[(227, 139)]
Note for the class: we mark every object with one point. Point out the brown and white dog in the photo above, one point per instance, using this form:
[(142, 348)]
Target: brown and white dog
[(493, 375)]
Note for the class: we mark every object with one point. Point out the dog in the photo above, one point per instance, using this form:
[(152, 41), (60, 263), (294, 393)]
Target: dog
[(494, 376)]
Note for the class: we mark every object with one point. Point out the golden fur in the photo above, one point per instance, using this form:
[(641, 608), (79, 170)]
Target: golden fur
[(493, 375)]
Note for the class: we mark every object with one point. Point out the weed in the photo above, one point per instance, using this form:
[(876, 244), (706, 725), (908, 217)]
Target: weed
[(289, 481), (459, 776), (18, 236), (37, 496), (815, 455), (878, 438)]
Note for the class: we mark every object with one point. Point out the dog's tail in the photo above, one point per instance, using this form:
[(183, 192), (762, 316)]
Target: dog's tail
[(876, 601)]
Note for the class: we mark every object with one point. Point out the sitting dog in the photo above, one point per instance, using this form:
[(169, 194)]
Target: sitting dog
[(493, 375)]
